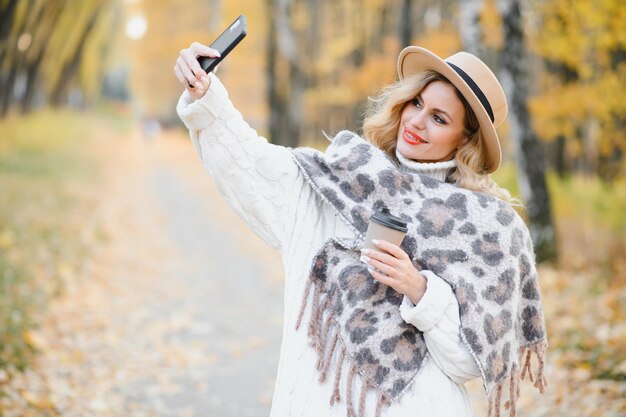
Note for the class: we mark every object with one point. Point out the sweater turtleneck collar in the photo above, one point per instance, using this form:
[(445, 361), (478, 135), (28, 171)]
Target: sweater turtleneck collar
[(437, 170)]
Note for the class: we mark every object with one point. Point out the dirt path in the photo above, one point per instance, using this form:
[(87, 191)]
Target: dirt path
[(179, 312), (235, 309)]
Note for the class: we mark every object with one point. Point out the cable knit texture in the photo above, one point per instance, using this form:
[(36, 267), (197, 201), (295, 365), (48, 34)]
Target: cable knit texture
[(262, 183), (437, 170)]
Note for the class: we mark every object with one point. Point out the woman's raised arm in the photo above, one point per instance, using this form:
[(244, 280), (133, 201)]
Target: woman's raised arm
[(255, 177)]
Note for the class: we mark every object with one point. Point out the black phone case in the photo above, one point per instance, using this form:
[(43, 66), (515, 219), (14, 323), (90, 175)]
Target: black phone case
[(231, 39)]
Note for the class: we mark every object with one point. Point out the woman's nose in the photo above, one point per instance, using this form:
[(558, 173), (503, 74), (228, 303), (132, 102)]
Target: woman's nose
[(418, 119)]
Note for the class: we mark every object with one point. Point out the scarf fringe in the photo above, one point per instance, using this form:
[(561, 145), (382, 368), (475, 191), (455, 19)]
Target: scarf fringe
[(307, 290), (382, 401), (320, 328), (323, 362), (539, 380), (319, 331), (336, 395), (349, 402), (364, 389), (313, 321)]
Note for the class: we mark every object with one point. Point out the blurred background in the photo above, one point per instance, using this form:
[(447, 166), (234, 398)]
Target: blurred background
[(113, 241)]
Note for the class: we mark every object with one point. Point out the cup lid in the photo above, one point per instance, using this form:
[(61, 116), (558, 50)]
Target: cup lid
[(385, 218)]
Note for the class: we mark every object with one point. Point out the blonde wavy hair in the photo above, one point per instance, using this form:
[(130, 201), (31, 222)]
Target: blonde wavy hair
[(382, 121)]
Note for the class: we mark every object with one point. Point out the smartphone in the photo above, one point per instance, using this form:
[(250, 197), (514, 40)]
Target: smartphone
[(225, 43)]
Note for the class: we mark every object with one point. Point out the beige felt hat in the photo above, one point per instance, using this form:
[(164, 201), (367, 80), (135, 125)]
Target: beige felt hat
[(475, 81)]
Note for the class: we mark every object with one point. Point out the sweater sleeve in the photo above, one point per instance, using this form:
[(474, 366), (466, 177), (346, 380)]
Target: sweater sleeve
[(255, 177), (437, 315)]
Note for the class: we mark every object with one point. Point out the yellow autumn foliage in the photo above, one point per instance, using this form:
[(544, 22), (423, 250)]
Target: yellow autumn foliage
[(583, 44), (444, 41)]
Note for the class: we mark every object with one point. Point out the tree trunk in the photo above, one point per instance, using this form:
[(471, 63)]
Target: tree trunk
[(381, 31), (293, 101), (530, 161), (469, 26), (7, 94), (59, 94), (15, 59), (215, 15), (289, 119), (45, 25), (406, 23), (357, 55), (274, 101), (7, 14), (32, 78), (314, 38), (559, 156)]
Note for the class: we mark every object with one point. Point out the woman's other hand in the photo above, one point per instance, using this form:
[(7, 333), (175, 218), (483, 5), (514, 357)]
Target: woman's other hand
[(189, 72), (392, 266)]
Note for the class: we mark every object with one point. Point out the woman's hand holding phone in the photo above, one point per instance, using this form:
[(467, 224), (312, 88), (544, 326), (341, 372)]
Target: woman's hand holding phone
[(189, 72)]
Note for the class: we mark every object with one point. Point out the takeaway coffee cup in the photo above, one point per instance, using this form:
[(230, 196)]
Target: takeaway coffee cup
[(384, 226)]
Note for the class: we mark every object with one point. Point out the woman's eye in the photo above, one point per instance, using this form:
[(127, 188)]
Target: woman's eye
[(439, 119), (415, 102)]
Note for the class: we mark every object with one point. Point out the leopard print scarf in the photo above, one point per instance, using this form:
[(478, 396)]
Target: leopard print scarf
[(475, 242)]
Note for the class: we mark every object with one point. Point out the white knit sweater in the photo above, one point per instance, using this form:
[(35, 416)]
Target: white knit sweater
[(264, 186)]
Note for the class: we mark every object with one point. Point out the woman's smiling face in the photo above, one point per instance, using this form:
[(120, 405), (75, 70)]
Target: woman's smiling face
[(432, 124)]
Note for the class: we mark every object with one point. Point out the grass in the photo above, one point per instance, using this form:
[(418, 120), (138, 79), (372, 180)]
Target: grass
[(47, 176), (590, 220)]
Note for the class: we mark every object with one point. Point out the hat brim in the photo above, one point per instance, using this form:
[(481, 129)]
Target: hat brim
[(413, 60)]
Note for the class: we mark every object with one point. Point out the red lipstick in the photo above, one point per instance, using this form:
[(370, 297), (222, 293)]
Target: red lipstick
[(412, 138)]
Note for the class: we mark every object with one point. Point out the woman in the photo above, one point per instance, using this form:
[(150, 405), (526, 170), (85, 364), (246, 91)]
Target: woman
[(395, 331)]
